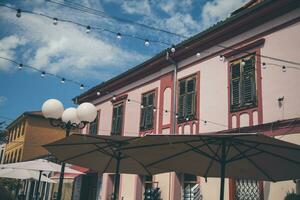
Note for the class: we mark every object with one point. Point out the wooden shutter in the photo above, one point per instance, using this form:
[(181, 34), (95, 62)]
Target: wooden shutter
[(249, 89), (181, 100), (149, 115), (190, 98), (117, 119), (235, 85)]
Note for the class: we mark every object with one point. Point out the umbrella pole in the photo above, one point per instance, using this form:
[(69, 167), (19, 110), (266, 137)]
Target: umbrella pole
[(223, 165), (117, 178), (38, 185)]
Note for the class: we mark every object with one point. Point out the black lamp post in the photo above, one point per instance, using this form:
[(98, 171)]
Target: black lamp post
[(68, 119)]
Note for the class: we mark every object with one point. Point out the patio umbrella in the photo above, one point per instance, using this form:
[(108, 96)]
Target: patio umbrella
[(23, 174), (238, 156), (39, 165), (100, 153)]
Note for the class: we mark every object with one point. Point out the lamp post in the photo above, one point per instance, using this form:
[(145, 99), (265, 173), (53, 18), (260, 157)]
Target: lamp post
[(70, 118)]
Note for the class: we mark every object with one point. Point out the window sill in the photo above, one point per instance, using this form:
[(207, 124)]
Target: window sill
[(234, 110)]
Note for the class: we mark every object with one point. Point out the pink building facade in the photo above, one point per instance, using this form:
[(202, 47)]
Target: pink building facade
[(240, 74)]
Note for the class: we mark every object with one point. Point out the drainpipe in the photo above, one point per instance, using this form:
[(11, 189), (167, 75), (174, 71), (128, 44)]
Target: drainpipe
[(173, 62)]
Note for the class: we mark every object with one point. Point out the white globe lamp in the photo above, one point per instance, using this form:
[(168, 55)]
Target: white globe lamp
[(70, 115), (86, 112), (52, 108)]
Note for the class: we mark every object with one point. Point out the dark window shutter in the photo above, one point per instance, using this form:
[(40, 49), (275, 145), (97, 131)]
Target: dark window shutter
[(181, 107), (147, 111), (235, 85), (117, 119), (191, 85), (182, 87), (249, 81)]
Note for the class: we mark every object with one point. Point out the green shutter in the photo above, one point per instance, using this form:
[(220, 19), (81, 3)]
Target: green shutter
[(249, 81), (147, 111), (117, 119), (235, 85)]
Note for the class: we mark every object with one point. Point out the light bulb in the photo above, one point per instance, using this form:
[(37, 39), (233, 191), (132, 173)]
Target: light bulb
[(81, 86), (142, 106), (147, 43), (221, 58), (176, 115), (114, 98), (55, 21), (264, 65), (98, 93), (205, 122), (154, 109), (63, 80), (43, 74), (20, 66), (88, 29), (242, 63), (187, 119), (173, 49), (283, 68), (198, 54), (18, 13), (119, 36)]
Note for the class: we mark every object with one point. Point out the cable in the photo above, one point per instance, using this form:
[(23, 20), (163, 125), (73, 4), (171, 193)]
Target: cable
[(136, 36), (44, 73), (82, 8)]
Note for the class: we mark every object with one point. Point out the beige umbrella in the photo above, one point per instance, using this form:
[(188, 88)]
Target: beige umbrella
[(240, 156), (100, 153)]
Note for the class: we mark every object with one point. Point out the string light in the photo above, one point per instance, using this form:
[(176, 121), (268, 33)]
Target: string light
[(283, 68), (173, 48), (142, 106), (43, 74), (114, 98), (88, 29), (63, 80), (18, 13), (176, 115), (128, 100), (81, 86), (98, 93), (20, 66), (154, 109), (221, 58), (147, 43), (264, 65), (198, 54), (205, 122), (243, 63), (119, 36), (187, 119), (55, 21)]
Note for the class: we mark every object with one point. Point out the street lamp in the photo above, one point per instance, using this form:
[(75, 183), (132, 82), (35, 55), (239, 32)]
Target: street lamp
[(70, 118)]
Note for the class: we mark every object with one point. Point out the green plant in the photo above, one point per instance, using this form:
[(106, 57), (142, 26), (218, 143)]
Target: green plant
[(292, 196)]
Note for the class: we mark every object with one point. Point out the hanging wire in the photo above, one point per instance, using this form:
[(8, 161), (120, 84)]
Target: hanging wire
[(44, 73), (142, 38)]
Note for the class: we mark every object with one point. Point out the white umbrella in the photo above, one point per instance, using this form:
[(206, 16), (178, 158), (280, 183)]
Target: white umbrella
[(40, 165), (23, 174)]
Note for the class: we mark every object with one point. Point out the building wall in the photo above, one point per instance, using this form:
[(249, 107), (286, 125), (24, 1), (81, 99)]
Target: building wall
[(31, 133), (213, 101)]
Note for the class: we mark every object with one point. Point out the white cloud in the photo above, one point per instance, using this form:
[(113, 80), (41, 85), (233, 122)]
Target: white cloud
[(8, 45), (141, 7), (3, 99), (216, 10), (67, 48)]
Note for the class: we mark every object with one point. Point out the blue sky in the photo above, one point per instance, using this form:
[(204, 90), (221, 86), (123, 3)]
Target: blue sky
[(68, 51)]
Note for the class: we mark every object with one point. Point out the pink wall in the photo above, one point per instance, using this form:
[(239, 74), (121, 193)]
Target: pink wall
[(213, 89)]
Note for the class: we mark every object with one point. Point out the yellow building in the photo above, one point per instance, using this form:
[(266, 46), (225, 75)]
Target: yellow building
[(27, 134)]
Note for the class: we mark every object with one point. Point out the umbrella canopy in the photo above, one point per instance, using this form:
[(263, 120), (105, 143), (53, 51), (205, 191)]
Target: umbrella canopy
[(239, 156), (39, 165), (23, 174), (99, 153)]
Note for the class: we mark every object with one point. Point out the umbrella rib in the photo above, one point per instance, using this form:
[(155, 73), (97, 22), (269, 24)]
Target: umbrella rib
[(144, 166), (255, 165), (210, 164), (263, 143), (216, 155), (196, 150), (172, 156), (238, 156), (273, 154), (108, 163)]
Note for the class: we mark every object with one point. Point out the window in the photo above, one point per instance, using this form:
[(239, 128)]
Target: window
[(147, 107), (247, 189), (93, 128), (187, 99), (117, 119), (191, 187), (243, 86)]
